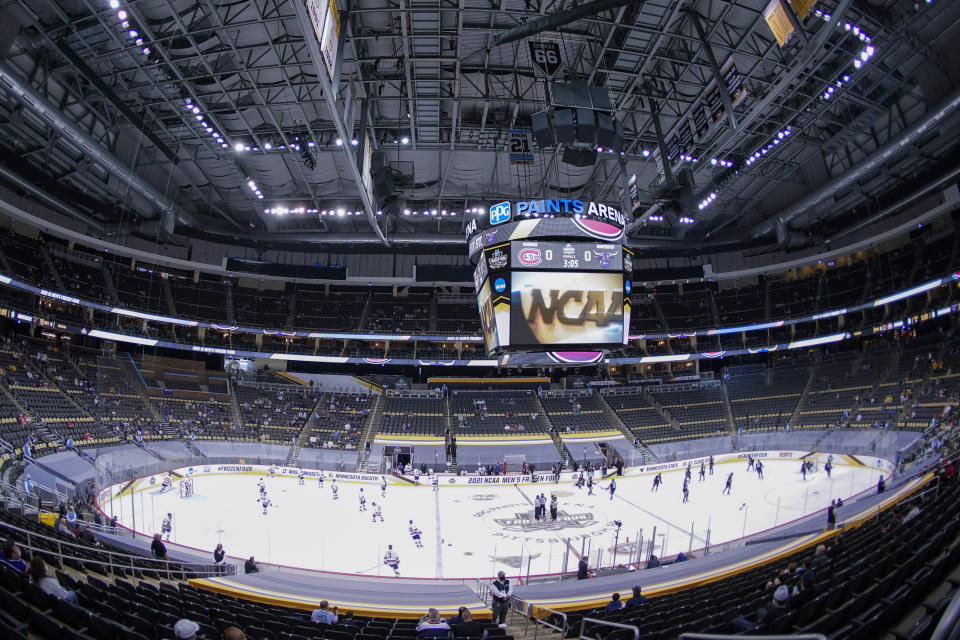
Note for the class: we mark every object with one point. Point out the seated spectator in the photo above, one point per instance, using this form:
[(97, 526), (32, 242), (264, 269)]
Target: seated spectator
[(432, 625), (323, 615), (234, 633), (468, 628), (158, 548), (767, 613), (637, 600), (457, 619), (49, 584), (804, 592), (614, 603), (11, 556), (347, 619), (250, 566), (185, 629), (653, 562)]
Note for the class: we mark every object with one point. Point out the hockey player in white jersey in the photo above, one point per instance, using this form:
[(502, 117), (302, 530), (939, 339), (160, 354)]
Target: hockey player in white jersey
[(377, 512), (320, 480), (167, 526), (415, 534), (436, 483), (166, 484), (301, 477), (335, 491), (416, 476), (272, 471), (383, 487), (265, 503), (363, 501), (392, 559)]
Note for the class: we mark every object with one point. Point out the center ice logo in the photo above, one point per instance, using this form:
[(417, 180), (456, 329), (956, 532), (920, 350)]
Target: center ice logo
[(524, 521)]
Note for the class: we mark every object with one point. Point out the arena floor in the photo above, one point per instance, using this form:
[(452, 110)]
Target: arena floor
[(471, 531)]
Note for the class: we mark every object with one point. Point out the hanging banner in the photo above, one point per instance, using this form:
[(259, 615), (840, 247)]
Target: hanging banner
[(545, 56), (521, 146), (779, 22)]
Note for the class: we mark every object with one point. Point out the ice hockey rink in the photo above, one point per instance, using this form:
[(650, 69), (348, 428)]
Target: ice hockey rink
[(475, 530)]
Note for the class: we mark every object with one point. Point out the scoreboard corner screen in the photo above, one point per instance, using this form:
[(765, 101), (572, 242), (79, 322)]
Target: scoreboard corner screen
[(554, 291)]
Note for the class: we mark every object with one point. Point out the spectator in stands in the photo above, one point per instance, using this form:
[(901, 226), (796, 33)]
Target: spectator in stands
[(831, 518), (323, 615), (614, 603), (250, 566), (457, 619), (49, 584), (637, 600), (500, 592), (11, 556), (767, 613), (881, 485), (347, 619), (158, 548), (432, 625), (468, 628), (804, 591), (234, 633), (185, 629), (653, 562)]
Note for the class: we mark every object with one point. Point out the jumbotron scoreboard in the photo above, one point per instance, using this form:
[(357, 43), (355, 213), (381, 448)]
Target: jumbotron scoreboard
[(551, 274)]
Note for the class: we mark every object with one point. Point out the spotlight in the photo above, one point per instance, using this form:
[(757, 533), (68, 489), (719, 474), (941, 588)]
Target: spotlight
[(338, 142)]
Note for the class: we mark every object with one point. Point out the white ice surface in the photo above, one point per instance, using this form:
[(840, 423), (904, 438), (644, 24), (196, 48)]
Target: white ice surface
[(471, 531)]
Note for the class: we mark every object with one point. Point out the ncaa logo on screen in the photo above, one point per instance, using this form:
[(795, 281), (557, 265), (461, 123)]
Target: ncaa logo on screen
[(499, 285), (500, 213), (530, 257)]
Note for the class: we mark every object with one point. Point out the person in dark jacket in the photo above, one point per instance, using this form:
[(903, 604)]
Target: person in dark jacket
[(468, 628), (614, 603), (250, 566), (158, 548), (638, 600), (583, 571), (218, 556)]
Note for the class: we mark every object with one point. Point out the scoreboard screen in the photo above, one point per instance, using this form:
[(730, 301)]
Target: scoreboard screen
[(566, 256)]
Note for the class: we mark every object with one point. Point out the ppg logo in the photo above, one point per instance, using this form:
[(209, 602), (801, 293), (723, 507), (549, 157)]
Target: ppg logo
[(499, 285), (500, 213)]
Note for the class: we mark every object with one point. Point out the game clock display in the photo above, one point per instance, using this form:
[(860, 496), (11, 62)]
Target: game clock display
[(566, 256)]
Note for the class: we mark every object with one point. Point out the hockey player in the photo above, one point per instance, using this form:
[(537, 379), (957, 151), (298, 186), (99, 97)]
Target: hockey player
[(320, 480), (272, 472), (392, 560), (301, 477), (687, 473), (803, 469), (580, 481), (711, 465), (415, 534), (828, 467), (750, 462), (589, 486), (612, 488), (686, 491), (166, 484), (167, 526), (383, 487), (436, 482), (335, 491), (657, 481), (728, 485), (377, 512), (363, 501), (703, 473), (261, 484), (265, 503), (759, 469), (416, 476)]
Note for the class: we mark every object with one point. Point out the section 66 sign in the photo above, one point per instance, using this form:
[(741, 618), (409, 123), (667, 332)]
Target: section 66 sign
[(546, 56)]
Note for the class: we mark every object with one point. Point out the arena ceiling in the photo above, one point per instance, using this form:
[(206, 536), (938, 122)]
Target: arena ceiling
[(155, 117)]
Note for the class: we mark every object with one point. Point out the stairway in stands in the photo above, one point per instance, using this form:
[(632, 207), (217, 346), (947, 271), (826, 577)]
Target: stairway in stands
[(547, 426), (448, 422), (614, 419), (728, 409), (304, 436), (370, 429), (804, 395)]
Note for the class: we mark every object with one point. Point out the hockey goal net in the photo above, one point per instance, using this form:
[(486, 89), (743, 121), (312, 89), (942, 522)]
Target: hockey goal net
[(813, 464), (186, 487), (514, 464)]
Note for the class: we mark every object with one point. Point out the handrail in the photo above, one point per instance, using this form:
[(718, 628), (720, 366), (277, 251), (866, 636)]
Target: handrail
[(716, 636), (606, 623), (949, 626), (182, 568), (535, 616)]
